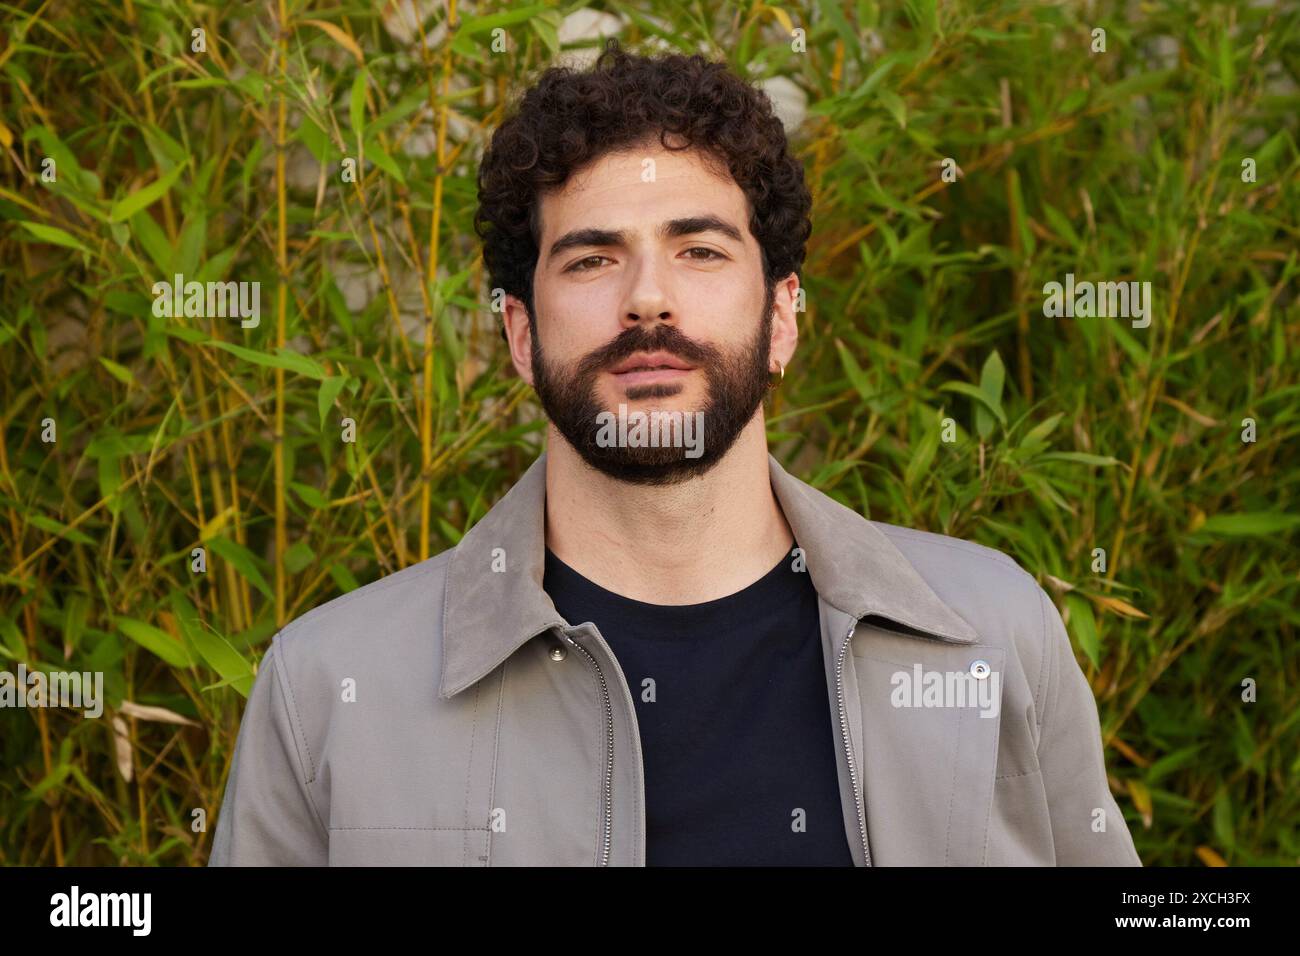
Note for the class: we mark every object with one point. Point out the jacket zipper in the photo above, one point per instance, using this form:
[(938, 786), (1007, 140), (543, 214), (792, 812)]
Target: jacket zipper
[(609, 752), (609, 749), (848, 750)]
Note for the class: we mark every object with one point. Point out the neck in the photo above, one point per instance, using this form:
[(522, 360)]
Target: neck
[(687, 543)]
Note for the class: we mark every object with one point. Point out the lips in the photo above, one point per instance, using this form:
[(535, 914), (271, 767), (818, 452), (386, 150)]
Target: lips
[(649, 361)]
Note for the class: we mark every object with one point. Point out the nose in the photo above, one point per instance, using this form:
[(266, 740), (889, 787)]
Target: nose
[(649, 299)]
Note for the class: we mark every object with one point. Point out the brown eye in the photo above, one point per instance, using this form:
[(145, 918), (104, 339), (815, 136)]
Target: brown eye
[(712, 254), (579, 265)]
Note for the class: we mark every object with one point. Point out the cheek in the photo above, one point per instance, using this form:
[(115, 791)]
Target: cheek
[(577, 320), (724, 309)]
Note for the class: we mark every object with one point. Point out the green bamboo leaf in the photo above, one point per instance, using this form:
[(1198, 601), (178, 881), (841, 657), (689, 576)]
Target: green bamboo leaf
[(1072, 102), (11, 639), (69, 169), (992, 378), (547, 31), (1017, 203), (74, 622), (217, 266), (874, 80), (1057, 220), (244, 562), (966, 388), (146, 196), (1136, 351), (119, 372), (254, 86), (310, 496), (1044, 491), (218, 654), (1171, 762), (201, 83), (1083, 626), (299, 556), (895, 105), (1079, 457), (286, 359), (357, 106), (1224, 831), (404, 107), (344, 578), (112, 443), (156, 641), (1227, 71), (383, 161), (316, 140), (1037, 435), (53, 235), (185, 334), (49, 781), (449, 530), (76, 773), (109, 472), (923, 454), (1249, 524), (330, 387), (490, 22), (857, 377), (153, 240), (46, 523), (193, 240)]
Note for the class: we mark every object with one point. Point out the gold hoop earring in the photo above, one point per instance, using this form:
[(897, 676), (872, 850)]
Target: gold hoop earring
[(774, 382)]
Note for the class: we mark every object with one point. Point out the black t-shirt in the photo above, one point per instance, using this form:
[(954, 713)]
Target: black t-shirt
[(732, 705)]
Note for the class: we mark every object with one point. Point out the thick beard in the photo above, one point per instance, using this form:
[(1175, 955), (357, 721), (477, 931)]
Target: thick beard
[(736, 386)]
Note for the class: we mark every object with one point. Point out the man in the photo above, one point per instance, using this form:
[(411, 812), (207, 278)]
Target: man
[(659, 647)]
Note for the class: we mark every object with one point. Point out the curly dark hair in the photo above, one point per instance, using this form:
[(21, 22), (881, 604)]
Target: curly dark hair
[(570, 118)]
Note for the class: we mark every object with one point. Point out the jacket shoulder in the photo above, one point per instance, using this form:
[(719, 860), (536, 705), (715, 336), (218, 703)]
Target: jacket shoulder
[(974, 558), (989, 589), (382, 610), (386, 633)]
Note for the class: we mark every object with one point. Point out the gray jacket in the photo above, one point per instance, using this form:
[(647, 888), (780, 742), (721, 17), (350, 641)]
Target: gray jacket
[(447, 715)]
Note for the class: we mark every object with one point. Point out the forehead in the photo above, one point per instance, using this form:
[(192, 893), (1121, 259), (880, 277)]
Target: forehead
[(640, 187)]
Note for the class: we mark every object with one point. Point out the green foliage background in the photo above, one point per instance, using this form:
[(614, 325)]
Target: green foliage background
[(924, 301)]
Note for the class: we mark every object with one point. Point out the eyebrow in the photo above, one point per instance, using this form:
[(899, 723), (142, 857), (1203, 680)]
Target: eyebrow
[(671, 229)]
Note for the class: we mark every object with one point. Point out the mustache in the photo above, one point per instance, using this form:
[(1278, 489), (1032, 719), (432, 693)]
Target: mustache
[(662, 338)]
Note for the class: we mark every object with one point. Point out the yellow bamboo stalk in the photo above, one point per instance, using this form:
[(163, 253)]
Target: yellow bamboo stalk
[(214, 475), (470, 439), (426, 411), (359, 188), (169, 214), (281, 260), (1011, 180)]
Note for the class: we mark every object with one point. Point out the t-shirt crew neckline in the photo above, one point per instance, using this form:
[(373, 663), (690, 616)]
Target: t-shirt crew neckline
[(761, 597)]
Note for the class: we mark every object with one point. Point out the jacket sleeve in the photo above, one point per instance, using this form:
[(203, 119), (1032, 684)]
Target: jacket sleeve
[(267, 817), (1070, 756)]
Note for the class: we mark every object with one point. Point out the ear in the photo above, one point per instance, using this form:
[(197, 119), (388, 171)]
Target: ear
[(519, 336), (785, 328)]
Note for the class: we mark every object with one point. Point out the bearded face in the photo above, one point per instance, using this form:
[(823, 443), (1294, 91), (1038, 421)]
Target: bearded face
[(735, 382)]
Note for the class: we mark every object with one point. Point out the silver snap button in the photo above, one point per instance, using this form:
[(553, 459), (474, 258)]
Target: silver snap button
[(980, 669), (558, 653)]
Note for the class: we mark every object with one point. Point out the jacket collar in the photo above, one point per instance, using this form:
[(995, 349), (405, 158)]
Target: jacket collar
[(494, 600)]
